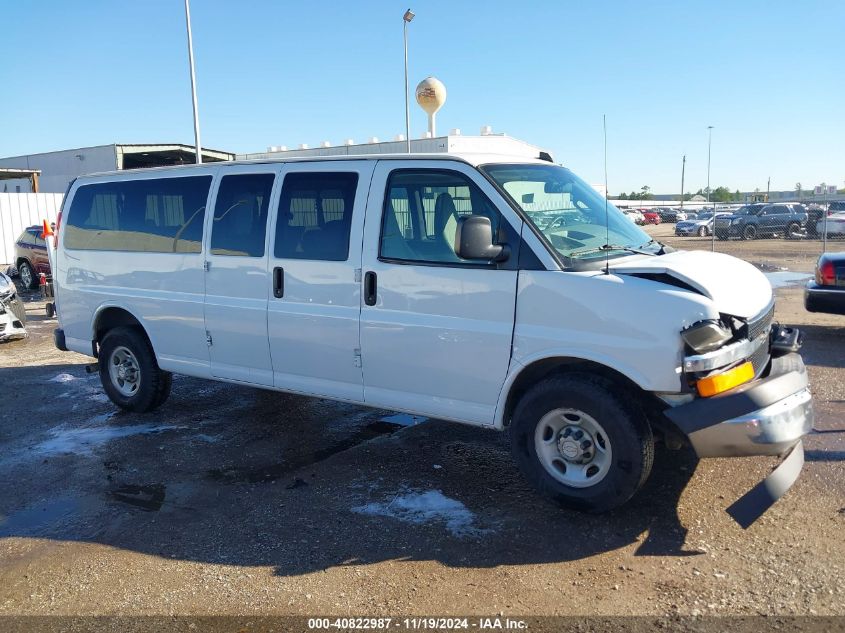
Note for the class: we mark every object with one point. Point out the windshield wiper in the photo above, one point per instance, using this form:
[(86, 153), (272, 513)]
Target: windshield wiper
[(610, 247)]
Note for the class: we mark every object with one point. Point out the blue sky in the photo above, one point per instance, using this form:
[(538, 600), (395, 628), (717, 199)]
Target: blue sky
[(768, 75)]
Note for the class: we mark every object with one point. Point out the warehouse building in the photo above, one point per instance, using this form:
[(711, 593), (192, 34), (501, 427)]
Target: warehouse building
[(58, 169)]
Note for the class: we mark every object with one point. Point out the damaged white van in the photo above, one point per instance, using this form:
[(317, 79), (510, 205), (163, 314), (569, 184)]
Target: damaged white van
[(488, 290)]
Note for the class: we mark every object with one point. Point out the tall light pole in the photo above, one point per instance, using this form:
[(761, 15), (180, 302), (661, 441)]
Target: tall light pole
[(713, 235), (406, 19), (193, 82), (683, 169)]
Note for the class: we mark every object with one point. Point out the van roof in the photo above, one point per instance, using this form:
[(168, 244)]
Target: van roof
[(474, 159)]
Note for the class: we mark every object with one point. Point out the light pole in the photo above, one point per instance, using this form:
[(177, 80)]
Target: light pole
[(406, 19), (683, 169), (193, 82), (709, 140)]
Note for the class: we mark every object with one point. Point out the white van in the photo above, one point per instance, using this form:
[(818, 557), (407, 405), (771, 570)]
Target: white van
[(488, 290)]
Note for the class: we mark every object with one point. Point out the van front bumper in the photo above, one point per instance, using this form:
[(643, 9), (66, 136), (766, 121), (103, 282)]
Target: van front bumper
[(768, 416)]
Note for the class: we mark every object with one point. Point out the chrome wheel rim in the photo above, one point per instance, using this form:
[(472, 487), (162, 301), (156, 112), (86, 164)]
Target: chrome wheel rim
[(26, 276), (573, 447), (124, 371)]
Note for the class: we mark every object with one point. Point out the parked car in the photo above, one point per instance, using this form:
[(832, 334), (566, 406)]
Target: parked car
[(634, 215), (367, 284), (651, 217), (826, 292), (761, 220), (701, 226), (816, 212), (31, 257), (833, 224), (666, 214), (12, 311)]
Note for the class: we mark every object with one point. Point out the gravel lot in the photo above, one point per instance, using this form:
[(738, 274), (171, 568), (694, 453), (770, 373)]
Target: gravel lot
[(230, 500)]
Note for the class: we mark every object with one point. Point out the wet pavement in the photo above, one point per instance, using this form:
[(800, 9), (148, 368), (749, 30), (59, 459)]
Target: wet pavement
[(234, 500)]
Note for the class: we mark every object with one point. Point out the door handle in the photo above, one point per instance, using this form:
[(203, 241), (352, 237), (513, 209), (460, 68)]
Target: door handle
[(370, 288), (278, 282)]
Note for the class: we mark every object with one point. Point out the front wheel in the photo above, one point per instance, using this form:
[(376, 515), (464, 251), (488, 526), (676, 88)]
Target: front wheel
[(749, 232), (702, 231), (130, 373), (578, 440), (793, 231)]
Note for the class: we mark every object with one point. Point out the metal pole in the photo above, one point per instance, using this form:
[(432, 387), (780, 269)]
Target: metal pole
[(683, 169), (193, 83), (824, 224), (713, 235), (768, 187), (407, 98)]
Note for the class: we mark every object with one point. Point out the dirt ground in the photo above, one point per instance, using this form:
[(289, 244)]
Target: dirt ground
[(231, 500)]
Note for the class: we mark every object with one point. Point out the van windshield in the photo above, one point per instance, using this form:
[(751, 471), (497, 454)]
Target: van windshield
[(573, 217)]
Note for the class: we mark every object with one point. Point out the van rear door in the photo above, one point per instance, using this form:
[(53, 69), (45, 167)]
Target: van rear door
[(315, 261), (236, 278)]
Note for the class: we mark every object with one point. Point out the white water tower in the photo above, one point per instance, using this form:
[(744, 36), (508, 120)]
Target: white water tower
[(431, 95)]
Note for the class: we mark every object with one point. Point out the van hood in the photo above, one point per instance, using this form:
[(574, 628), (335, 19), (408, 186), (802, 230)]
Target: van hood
[(735, 286)]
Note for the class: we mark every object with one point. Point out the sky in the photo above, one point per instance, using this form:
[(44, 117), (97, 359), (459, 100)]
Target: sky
[(767, 75)]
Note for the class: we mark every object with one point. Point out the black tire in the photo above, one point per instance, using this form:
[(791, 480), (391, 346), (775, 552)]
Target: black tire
[(153, 385), (627, 430), (749, 232), (25, 271), (702, 231), (50, 309), (792, 230)]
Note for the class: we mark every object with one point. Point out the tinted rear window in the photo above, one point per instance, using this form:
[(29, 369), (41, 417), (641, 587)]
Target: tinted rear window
[(161, 215)]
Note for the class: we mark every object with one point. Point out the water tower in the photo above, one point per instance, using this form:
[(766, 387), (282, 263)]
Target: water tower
[(431, 95)]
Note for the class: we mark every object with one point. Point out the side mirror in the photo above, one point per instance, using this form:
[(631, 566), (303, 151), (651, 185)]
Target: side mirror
[(474, 240)]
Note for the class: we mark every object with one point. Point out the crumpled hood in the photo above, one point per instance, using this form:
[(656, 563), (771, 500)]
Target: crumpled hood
[(735, 286)]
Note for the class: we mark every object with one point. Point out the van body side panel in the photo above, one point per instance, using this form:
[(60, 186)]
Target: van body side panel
[(314, 324), (438, 339), (163, 291)]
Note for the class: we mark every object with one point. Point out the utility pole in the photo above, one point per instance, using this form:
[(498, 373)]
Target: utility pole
[(193, 83), (406, 20), (768, 186), (713, 234), (683, 169)]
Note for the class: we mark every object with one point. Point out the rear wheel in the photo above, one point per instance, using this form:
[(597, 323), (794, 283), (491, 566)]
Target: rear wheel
[(129, 372), (793, 231), (578, 440), (749, 232), (28, 278), (702, 231)]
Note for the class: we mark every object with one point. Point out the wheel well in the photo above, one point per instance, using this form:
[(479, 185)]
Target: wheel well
[(111, 318), (650, 404)]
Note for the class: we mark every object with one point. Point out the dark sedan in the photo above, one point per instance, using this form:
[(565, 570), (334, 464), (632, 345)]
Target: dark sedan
[(31, 257), (826, 293)]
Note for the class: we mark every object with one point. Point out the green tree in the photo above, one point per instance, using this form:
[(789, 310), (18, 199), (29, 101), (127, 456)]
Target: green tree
[(646, 195), (623, 196)]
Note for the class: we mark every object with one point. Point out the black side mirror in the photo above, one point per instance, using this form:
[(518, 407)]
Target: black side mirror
[(474, 240)]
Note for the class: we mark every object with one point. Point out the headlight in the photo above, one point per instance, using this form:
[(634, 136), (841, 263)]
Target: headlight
[(705, 336)]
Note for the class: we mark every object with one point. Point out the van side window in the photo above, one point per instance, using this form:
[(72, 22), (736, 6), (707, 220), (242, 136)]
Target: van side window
[(240, 215), (421, 215), (315, 216), (153, 215)]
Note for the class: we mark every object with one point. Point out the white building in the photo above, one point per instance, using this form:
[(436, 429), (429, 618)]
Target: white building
[(59, 168), (486, 142)]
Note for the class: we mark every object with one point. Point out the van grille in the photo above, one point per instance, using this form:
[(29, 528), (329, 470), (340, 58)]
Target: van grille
[(760, 359), (761, 324)]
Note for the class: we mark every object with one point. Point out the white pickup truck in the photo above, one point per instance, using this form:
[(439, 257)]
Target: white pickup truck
[(489, 290)]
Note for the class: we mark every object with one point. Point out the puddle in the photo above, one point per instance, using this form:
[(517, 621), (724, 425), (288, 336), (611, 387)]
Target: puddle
[(426, 507), (39, 518), (787, 279), (149, 498), (404, 419), (272, 472), (83, 441)]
